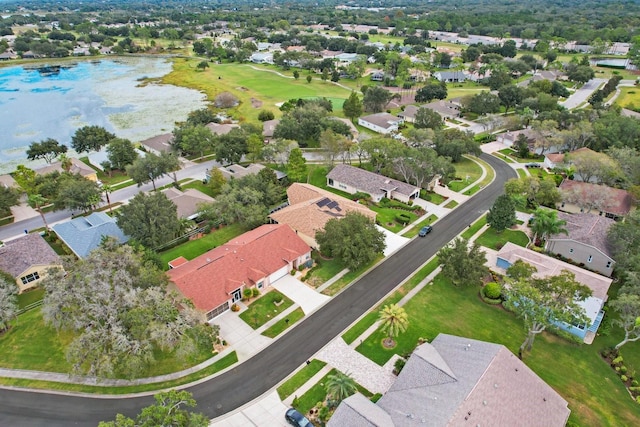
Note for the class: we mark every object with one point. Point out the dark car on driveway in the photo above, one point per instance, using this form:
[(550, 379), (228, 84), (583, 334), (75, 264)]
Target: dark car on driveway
[(425, 230), (533, 165), (295, 418)]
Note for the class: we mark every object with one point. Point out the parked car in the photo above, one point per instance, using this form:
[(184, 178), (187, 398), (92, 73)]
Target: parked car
[(425, 230), (295, 418), (533, 165)]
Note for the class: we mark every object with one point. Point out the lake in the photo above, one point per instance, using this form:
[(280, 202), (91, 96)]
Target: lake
[(53, 100)]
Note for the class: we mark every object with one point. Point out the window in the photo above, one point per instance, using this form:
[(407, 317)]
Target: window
[(344, 187), (590, 258), (608, 264), (260, 284), (30, 278), (330, 181)]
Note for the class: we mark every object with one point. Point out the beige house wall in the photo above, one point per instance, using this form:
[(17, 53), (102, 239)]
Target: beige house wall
[(41, 269), (579, 253)]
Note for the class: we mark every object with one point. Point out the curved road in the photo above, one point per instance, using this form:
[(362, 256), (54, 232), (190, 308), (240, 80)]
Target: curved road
[(249, 380)]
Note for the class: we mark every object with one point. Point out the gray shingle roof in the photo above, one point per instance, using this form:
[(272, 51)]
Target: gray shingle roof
[(586, 228), (84, 234), (358, 411), (17, 255), (384, 120), (368, 182)]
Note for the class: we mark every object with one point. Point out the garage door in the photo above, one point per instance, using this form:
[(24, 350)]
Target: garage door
[(278, 274)]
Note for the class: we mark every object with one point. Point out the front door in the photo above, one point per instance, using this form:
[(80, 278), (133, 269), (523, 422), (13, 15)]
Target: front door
[(236, 295)]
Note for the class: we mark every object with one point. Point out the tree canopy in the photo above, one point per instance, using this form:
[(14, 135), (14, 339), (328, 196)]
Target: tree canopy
[(353, 239), (463, 264), (502, 214), (90, 138), (47, 149), (432, 90), (8, 303)]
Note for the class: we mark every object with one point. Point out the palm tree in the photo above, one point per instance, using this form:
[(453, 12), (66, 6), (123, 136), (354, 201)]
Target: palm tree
[(37, 201), (394, 320), (107, 190), (339, 387), (546, 223)]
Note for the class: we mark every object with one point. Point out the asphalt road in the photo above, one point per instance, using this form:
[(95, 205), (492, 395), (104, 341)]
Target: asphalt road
[(582, 95), (259, 374)]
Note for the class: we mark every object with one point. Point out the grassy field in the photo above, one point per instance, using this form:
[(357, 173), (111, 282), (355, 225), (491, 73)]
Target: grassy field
[(468, 168), (30, 297), (595, 394), (194, 248), (629, 97), (299, 378), (257, 87), (387, 217), (495, 241), (264, 309)]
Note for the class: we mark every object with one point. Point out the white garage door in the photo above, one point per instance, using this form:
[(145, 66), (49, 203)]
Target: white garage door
[(278, 274)]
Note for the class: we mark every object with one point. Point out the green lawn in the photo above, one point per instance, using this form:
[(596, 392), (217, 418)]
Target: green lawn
[(257, 87), (629, 97), (198, 185), (387, 217), (473, 190), (595, 394), (522, 173), (194, 248), (416, 228), (475, 227), (339, 284), (452, 204), (283, 324), (323, 270), (264, 309), (30, 297), (432, 197), (503, 157), (468, 168), (300, 378), (495, 241)]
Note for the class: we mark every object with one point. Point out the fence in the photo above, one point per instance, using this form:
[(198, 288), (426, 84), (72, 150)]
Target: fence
[(30, 306), (180, 239)]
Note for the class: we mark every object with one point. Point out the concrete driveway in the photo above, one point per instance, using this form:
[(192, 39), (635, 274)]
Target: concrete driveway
[(581, 95), (308, 299), (265, 411), (392, 241)]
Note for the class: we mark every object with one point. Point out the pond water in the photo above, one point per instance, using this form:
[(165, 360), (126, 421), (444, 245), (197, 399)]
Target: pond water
[(52, 101)]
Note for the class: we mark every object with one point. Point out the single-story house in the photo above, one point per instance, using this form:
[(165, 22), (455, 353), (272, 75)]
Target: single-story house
[(77, 167), (383, 123), (554, 160), (85, 233), (238, 171), (268, 127), (450, 76), (221, 128), (310, 208), (586, 242), (27, 260), (614, 202), (351, 179), (455, 381), (187, 201), (158, 144), (510, 138), (548, 266), (564, 160), (96, 158), (262, 58), (7, 181), (409, 113), (216, 279), (377, 76), (446, 109)]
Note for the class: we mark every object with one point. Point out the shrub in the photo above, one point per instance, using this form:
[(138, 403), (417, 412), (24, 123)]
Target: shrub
[(624, 378), (293, 271), (277, 299), (634, 383), (235, 307), (492, 290), (623, 369), (255, 292), (247, 294), (376, 397), (617, 361), (399, 365), (295, 402), (403, 218), (618, 369)]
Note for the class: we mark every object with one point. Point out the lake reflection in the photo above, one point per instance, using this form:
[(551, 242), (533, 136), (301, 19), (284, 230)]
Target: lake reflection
[(53, 101)]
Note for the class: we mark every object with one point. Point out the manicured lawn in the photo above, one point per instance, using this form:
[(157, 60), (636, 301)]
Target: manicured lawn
[(300, 378), (522, 173), (452, 204), (198, 185), (264, 309), (324, 269), (473, 190), (595, 394), (457, 185), (370, 318), (468, 170), (629, 97), (503, 157), (318, 393), (339, 284), (217, 366), (387, 217), (30, 297), (507, 151), (475, 227), (432, 197), (194, 248), (495, 241), (283, 324), (416, 228), (251, 84)]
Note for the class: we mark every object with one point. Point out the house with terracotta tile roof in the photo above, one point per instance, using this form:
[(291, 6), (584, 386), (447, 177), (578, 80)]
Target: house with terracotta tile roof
[(578, 197), (310, 208), (455, 381), (27, 260), (585, 242), (351, 179), (216, 279), (547, 266)]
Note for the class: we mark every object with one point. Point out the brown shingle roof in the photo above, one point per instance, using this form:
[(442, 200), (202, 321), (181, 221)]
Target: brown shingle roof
[(17, 255), (77, 167), (618, 201), (368, 182), (312, 207), (586, 228), (383, 120), (187, 201), (222, 128), (159, 143), (209, 279)]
